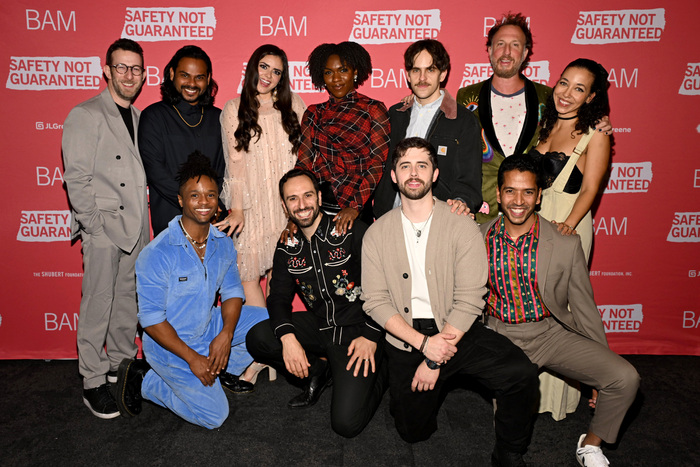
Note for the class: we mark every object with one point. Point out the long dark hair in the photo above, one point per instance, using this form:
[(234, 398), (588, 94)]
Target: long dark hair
[(590, 112), (167, 89), (248, 111)]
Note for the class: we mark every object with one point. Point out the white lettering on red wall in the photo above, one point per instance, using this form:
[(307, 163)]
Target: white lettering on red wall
[(49, 73), (616, 26), (289, 27), (633, 177), (685, 228), (169, 24), (621, 318), (476, 72), (395, 26), (44, 226), (691, 80)]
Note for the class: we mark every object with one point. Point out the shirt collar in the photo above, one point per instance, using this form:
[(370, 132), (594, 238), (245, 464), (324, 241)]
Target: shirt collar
[(501, 228), (186, 109), (349, 97), (177, 237), (433, 105)]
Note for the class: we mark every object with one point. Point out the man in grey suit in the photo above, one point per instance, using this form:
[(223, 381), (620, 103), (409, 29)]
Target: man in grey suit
[(106, 186), (540, 297)]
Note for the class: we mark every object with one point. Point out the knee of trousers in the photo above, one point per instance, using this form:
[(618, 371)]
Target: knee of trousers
[(211, 416), (347, 428), (626, 382), (259, 341)]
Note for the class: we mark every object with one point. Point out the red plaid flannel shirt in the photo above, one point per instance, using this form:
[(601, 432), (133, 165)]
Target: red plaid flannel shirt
[(345, 142)]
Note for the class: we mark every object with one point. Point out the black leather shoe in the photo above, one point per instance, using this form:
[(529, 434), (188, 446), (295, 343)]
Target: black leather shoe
[(129, 379), (234, 384), (503, 458), (313, 391)]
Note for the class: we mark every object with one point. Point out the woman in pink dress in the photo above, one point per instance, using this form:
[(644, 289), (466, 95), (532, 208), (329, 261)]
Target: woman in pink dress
[(261, 136)]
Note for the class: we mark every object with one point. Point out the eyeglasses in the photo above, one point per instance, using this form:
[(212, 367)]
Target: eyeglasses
[(136, 70)]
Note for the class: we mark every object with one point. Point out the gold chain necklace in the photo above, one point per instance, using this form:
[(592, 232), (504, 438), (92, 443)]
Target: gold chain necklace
[(191, 126), (195, 243)]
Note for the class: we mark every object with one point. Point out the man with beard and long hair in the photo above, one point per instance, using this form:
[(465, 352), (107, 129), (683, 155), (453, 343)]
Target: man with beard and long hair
[(507, 96), (334, 338), (424, 276), (184, 121)]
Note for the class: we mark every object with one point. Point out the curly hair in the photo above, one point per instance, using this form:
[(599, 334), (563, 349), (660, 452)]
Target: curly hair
[(248, 127), (590, 112), (167, 89), (514, 19), (197, 166), (351, 54)]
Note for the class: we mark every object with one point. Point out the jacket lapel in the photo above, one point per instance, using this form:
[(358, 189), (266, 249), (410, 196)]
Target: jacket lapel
[(532, 117), (117, 125), (485, 116), (544, 255)]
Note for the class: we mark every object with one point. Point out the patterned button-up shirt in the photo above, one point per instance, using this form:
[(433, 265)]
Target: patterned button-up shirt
[(326, 272), (345, 142), (513, 294)]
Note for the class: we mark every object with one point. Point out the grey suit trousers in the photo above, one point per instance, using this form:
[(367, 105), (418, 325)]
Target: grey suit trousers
[(548, 344), (108, 312)]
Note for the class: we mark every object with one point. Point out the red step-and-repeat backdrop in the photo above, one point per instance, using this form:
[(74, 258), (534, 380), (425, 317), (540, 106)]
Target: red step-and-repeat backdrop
[(646, 261)]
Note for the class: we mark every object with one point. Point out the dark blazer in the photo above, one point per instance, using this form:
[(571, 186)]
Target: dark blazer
[(455, 134), (104, 174), (563, 280)]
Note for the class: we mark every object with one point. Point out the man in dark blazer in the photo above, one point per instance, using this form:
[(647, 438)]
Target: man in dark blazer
[(106, 186), (433, 114), (539, 295)]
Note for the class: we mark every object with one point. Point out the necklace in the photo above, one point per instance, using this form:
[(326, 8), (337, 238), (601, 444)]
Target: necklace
[(191, 126), (416, 231), (567, 118), (195, 243)]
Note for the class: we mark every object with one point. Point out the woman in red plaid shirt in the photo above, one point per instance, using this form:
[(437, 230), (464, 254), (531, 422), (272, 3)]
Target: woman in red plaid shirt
[(345, 140)]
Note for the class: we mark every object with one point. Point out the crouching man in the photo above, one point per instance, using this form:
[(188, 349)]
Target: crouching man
[(193, 346)]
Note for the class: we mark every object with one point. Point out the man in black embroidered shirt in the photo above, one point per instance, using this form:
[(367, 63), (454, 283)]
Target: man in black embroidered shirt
[(334, 337), (184, 120)]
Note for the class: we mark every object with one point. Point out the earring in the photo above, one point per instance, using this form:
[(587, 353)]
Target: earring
[(355, 79), (274, 94)]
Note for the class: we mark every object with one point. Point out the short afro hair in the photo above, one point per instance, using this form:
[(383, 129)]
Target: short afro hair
[(350, 53)]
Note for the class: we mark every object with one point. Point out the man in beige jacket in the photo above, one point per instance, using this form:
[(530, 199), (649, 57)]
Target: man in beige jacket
[(424, 273)]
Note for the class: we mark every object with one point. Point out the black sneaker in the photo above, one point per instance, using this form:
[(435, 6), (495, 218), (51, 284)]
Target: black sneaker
[(100, 402), (234, 384), (129, 379)]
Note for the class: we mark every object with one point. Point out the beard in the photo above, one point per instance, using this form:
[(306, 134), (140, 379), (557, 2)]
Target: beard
[(415, 193), (301, 223)]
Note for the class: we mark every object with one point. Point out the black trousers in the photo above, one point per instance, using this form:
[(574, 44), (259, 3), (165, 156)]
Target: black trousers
[(355, 399), (489, 357)]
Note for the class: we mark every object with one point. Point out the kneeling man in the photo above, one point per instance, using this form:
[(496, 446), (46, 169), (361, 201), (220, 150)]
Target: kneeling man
[(334, 338), (540, 297), (189, 341), (424, 278)]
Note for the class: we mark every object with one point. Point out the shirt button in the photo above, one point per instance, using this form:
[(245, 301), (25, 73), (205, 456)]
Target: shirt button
[(405, 346), (405, 275), (318, 270), (121, 184), (119, 157), (121, 207)]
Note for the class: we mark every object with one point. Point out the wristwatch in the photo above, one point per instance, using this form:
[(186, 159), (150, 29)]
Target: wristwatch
[(432, 365)]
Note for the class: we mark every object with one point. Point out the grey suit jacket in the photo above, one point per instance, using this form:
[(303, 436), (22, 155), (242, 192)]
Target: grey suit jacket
[(104, 174), (563, 280)]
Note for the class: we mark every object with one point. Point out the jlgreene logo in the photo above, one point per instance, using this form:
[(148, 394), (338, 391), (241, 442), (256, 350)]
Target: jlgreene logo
[(395, 26), (616, 26), (44, 226), (621, 318), (48, 73), (169, 24)]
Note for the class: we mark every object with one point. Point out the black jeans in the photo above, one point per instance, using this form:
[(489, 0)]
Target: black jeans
[(355, 399), (489, 357)]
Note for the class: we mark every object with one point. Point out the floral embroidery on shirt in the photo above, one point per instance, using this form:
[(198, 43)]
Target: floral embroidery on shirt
[(345, 288), (296, 262), (307, 291), (336, 254)]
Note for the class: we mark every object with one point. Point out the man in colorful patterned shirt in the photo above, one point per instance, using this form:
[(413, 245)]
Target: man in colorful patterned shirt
[(334, 338), (540, 297)]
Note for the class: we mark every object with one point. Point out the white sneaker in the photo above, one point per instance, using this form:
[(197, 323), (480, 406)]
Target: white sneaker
[(590, 456)]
